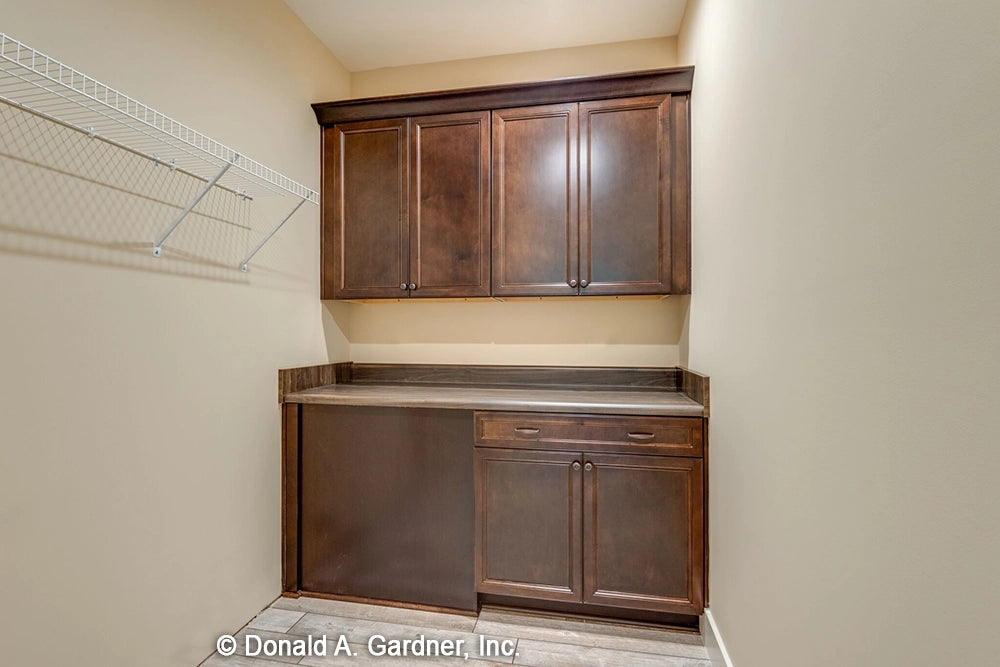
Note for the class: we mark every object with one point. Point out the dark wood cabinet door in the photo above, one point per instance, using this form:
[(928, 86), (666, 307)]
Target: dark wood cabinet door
[(535, 220), (365, 224), (643, 532), (625, 196), (528, 521), (450, 205)]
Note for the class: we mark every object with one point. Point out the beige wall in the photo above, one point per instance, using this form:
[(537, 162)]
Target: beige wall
[(626, 332), (845, 238), (549, 331), (139, 483), (533, 66)]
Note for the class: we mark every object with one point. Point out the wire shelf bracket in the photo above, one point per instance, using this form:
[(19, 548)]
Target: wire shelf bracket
[(246, 260), (45, 87), (158, 243)]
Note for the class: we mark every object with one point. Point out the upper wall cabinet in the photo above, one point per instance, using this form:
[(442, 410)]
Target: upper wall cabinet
[(584, 198), (634, 223), (572, 187), (406, 207)]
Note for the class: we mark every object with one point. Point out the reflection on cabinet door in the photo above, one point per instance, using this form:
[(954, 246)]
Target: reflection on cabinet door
[(535, 222), (642, 531), (365, 225)]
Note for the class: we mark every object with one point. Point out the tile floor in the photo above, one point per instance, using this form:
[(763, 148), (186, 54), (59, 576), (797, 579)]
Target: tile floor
[(531, 640)]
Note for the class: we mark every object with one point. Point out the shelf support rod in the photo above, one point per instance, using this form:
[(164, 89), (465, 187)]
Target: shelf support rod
[(246, 260), (157, 245)]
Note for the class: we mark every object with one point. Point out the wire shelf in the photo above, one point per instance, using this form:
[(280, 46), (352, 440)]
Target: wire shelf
[(43, 86)]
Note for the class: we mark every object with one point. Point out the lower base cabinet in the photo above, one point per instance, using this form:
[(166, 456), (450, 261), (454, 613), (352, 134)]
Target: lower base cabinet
[(590, 514), (577, 524)]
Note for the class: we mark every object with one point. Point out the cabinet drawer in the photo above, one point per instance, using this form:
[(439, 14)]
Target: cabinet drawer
[(673, 436)]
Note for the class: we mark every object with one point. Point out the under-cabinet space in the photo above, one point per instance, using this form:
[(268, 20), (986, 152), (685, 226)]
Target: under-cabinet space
[(384, 505)]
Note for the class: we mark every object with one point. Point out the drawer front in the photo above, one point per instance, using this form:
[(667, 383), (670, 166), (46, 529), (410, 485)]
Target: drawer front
[(672, 436)]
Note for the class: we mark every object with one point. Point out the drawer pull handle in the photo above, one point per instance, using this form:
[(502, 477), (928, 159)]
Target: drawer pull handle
[(525, 430), (641, 436)]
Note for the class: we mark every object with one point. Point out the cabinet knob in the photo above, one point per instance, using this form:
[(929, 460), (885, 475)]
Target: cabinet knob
[(413, 286), (402, 285), (572, 283), (589, 466), (576, 465), (584, 282)]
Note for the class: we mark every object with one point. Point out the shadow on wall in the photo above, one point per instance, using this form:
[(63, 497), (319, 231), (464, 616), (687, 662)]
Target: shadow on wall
[(64, 195)]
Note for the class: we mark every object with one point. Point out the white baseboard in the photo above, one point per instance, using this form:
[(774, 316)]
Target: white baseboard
[(713, 641)]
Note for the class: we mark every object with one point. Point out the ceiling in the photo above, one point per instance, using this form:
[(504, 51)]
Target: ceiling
[(368, 34)]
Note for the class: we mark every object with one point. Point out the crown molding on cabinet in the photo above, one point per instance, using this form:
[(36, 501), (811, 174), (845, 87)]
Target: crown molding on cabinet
[(627, 84)]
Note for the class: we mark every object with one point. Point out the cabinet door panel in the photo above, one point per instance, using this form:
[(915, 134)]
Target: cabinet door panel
[(365, 226), (528, 524), (625, 196), (643, 539), (535, 201), (450, 205)]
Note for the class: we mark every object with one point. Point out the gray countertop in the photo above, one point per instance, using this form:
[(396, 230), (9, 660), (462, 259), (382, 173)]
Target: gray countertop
[(521, 399)]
